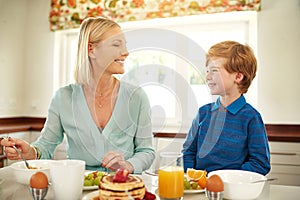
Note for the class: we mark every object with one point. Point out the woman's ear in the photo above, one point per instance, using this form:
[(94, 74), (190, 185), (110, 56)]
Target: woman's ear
[(239, 77), (91, 50)]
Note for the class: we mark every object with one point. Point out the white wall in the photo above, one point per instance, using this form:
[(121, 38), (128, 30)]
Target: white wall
[(12, 56), (279, 61), (26, 46), (38, 59), (26, 57)]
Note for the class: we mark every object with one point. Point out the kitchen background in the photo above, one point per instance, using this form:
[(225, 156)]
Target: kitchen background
[(27, 75), (27, 45)]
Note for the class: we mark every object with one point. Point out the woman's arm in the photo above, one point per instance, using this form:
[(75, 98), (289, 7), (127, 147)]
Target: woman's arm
[(144, 153), (27, 150), (52, 133)]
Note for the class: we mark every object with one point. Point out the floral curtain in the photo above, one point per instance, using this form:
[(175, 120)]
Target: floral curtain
[(66, 14)]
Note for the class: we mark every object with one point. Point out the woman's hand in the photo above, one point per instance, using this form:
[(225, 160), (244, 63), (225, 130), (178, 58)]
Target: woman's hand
[(27, 150), (114, 160)]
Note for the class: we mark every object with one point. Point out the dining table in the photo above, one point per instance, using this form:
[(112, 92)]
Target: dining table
[(10, 189)]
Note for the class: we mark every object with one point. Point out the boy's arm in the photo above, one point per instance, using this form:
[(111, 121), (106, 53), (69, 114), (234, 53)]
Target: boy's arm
[(259, 153), (190, 145)]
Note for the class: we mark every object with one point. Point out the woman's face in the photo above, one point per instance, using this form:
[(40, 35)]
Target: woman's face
[(218, 79), (108, 56)]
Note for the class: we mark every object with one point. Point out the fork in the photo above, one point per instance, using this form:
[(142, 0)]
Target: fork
[(20, 153), (129, 195)]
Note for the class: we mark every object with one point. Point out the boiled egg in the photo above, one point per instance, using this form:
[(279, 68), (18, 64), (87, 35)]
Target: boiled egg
[(39, 180), (215, 184)]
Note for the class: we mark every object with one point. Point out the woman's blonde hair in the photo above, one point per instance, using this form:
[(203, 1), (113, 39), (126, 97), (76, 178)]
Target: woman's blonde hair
[(91, 31), (239, 58)]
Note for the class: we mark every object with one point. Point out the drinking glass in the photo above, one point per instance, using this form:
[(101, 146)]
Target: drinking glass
[(170, 176)]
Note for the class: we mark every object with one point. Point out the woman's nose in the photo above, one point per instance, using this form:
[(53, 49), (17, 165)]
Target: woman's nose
[(125, 52)]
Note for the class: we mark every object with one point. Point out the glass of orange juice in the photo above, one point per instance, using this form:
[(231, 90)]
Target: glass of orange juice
[(170, 176)]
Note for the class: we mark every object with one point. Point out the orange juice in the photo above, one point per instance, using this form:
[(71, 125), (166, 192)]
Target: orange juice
[(170, 182)]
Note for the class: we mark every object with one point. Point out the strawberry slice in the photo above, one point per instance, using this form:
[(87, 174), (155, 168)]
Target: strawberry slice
[(95, 174), (149, 196), (121, 175)]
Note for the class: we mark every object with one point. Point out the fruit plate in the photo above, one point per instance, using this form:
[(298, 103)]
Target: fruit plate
[(94, 187), (194, 191)]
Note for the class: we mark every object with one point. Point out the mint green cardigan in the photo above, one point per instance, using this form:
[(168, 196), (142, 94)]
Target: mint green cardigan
[(128, 131)]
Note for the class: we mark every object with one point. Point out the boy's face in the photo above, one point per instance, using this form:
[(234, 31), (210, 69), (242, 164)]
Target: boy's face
[(219, 80)]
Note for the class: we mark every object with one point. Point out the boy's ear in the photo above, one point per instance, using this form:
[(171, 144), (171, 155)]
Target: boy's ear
[(239, 77)]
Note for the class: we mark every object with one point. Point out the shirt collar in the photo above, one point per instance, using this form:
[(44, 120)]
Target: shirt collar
[(234, 107)]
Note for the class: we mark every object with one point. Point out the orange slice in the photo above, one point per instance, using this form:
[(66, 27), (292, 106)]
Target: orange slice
[(195, 175), (202, 182)]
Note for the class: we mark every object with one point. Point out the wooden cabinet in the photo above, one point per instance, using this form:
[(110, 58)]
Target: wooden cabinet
[(285, 163)]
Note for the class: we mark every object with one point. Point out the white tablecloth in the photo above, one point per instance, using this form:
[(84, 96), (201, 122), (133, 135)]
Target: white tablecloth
[(11, 190)]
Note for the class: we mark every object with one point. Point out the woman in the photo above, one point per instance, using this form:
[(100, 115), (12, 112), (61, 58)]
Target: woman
[(106, 122)]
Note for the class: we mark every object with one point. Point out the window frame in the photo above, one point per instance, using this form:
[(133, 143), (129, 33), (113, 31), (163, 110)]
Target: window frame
[(249, 18)]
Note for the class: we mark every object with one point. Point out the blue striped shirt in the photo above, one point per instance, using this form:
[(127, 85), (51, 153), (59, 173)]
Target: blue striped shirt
[(232, 139)]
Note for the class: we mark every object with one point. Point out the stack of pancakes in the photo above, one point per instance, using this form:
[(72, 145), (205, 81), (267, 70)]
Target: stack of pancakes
[(109, 190)]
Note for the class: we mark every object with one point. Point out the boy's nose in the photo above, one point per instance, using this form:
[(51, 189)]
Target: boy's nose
[(208, 76)]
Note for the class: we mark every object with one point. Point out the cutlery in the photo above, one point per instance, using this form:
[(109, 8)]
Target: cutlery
[(20, 153), (129, 195), (268, 179)]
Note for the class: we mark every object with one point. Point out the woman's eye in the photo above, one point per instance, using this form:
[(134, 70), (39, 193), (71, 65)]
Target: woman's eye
[(116, 44)]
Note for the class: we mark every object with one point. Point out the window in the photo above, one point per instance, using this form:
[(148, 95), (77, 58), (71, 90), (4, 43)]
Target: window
[(167, 59)]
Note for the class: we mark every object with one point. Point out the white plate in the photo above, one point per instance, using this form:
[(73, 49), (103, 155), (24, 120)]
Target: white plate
[(90, 196), (151, 173), (193, 191), (94, 187)]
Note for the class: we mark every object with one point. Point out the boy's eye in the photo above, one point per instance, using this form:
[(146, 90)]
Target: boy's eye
[(212, 70), (116, 44)]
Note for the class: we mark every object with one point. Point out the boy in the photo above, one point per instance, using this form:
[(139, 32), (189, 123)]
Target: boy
[(229, 133)]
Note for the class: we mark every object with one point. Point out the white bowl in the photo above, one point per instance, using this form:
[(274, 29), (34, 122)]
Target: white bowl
[(23, 175), (237, 183)]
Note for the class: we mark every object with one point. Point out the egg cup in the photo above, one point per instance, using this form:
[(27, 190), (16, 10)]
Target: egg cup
[(214, 195), (38, 194)]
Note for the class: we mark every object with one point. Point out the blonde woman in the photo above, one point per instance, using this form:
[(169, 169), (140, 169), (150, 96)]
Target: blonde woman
[(107, 122)]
